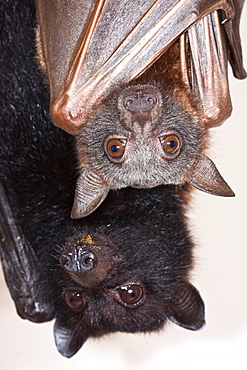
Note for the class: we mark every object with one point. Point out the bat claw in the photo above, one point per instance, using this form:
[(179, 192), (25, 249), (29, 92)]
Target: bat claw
[(66, 115)]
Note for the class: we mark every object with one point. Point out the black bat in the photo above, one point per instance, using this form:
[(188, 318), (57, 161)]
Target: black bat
[(139, 84), (125, 267)]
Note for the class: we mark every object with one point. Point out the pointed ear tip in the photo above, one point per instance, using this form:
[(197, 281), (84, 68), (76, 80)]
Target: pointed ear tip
[(231, 193), (65, 352), (68, 354), (227, 192), (77, 212), (199, 326), (74, 214)]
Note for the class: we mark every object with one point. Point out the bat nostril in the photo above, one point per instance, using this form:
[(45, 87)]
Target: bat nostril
[(140, 101), (78, 261), (88, 261), (65, 261), (68, 263)]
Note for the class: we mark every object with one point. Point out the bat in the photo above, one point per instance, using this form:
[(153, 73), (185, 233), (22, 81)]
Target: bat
[(139, 85), (123, 268), (121, 277)]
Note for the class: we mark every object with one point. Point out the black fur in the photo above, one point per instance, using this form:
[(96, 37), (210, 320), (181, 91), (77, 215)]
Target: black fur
[(138, 236)]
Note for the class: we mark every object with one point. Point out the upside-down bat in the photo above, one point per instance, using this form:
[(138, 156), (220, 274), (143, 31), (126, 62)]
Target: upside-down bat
[(139, 84), (125, 267)]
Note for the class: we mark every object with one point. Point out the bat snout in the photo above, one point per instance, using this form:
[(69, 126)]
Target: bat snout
[(86, 265), (140, 101), (78, 260)]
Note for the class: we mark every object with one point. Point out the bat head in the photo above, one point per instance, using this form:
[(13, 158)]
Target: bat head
[(110, 289), (125, 268), (142, 137)]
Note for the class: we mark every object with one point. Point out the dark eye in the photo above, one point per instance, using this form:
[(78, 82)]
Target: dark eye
[(73, 299), (115, 148), (171, 145), (130, 294)]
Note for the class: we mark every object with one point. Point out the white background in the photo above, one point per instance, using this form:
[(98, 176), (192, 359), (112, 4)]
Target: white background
[(219, 227)]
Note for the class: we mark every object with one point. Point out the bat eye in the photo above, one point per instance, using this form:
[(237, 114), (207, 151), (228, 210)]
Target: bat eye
[(115, 149), (73, 299), (171, 145), (130, 294)]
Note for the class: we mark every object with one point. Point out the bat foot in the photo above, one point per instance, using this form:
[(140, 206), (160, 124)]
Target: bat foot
[(34, 311)]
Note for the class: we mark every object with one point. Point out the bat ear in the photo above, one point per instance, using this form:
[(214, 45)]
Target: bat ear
[(205, 176), (90, 192), (188, 307), (67, 340)]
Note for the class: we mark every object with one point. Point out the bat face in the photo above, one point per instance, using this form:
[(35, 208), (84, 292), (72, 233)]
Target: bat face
[(141, 138)]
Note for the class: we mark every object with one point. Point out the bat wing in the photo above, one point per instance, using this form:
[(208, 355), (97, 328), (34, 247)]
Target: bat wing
[(205, 50), (90, 48), (234, 41), (19, 264)]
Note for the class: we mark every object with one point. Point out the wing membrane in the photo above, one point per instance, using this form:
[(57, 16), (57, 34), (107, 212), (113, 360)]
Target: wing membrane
[(20, 269), (208, 56), (119, 43)]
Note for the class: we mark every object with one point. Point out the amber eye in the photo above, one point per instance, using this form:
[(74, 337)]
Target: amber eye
[(73, 299), (115, 148), (130, 294), (171, 145)]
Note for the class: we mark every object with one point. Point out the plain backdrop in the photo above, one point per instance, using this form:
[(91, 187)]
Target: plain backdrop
[(219, 227)]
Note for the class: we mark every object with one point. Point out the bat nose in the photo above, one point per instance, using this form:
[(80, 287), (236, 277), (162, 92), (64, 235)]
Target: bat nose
[(78, 260), (140, 101)]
